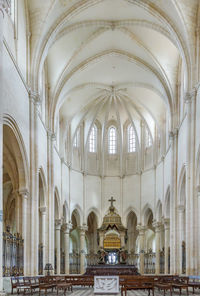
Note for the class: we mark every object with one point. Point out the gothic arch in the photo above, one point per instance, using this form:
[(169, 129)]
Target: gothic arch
[(57, 210), (16, 144), (146, 213), (159, 212), (78, 214), (181, 186), (166, 208), (96, 213)]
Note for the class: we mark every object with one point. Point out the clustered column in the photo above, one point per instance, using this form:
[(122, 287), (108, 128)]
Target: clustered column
[(24, 197), (141, 230), (58, 228), (82, 248), (43, 241), (157, 226), (167, 243), (66, 227)]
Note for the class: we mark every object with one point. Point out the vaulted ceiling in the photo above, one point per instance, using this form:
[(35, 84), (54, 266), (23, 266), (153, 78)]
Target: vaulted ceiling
[(129, 50)]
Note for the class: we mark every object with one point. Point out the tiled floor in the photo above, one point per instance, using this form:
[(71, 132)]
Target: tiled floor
[(89, 292)]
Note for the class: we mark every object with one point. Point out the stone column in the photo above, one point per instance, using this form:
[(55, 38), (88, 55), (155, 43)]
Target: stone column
[(58, 228), (17, 210), (24, 197), (190, 101), (141, 230), (181, 237), (67, 227), (173, 201), (167, 243), (43, 233), (157, 226), (82, 248), (3, 9)]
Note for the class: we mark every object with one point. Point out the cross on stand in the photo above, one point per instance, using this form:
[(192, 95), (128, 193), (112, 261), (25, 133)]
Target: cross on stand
[(111, 201)]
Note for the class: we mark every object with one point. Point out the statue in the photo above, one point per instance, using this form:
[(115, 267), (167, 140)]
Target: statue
[(123, 256), (102, 255)]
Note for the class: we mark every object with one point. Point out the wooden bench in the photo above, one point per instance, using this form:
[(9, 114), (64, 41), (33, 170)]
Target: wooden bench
[(46, 283), (180, 283), (139, 283), (194, 282)]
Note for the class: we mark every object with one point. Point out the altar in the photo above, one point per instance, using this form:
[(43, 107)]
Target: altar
[(117, 269), (112, 236)]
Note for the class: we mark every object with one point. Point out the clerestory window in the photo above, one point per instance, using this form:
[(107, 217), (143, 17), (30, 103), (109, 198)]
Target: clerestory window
[(148, 140), (93, 139), (112, 140), (131, 139)]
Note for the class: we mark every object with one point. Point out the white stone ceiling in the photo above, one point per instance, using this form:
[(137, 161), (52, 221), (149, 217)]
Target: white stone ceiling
[(91, 48)]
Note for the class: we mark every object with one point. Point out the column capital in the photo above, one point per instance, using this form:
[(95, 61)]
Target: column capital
[(34, 97), (166, 222), (4, 6), (43, 209), (51, 135), (58, 224), (141, 229), (24, 193), (173, 134), (190, 96), (157, 225), (67, 227), (83, 229), (181, 208)]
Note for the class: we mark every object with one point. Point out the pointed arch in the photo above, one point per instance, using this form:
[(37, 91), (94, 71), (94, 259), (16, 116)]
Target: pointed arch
[(181, 186), (166, 207), (96, 212), (12, 131), (78, 214), (147, 211), (42, 187), (57, 204), (159, 211)]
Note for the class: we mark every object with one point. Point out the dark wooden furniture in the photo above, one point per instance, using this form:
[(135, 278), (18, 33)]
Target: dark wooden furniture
[(117, 269), (164, 287), (194, 282), (180, 283), (139, 283)]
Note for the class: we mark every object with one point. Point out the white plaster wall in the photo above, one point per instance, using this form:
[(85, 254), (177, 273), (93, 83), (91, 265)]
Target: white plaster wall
[(76, 190), (131, 196), (182, 144), (42, 147), (15, 99), (167, 171), (21, 37), (147, 189), (111, 187), (57, 172), (93, 196), (159, 183)]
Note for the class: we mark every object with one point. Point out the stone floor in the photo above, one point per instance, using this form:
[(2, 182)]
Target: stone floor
[(89, 292)]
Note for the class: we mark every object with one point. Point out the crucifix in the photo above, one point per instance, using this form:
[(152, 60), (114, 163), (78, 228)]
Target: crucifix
[(112, 200)]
